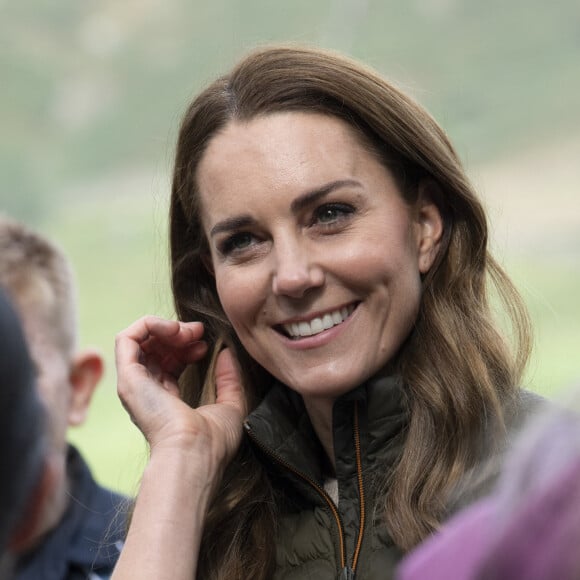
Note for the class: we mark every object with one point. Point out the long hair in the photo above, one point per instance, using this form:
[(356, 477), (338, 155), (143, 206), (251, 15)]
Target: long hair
[(459, 370)]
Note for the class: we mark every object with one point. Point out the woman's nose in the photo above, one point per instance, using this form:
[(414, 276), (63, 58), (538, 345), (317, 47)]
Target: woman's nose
[(295, 272)]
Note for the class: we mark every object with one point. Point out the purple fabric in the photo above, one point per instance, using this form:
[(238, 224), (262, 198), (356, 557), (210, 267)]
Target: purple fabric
[(541, 540), (538, 538), (456, 551)]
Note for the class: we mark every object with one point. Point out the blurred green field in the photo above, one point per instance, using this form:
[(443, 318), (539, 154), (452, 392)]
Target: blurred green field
[(117, 248)]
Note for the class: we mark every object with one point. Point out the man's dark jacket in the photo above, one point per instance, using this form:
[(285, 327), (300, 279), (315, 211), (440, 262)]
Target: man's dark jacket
[(87, 542)]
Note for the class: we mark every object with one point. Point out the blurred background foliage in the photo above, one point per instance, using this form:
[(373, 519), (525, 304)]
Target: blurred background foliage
[(92, 94)]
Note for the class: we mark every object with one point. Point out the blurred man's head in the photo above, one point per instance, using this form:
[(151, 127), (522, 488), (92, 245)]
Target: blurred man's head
[(39, 282), (24, 461)]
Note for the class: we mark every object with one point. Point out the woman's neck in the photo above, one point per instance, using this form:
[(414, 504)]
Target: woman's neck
[(320, 412)]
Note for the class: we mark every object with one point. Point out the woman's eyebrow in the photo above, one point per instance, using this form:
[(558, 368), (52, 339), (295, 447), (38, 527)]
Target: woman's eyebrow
[(313, 196), (231, 224), (297, 205)]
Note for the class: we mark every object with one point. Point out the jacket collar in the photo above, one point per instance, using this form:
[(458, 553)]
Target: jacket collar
[(280, 427)]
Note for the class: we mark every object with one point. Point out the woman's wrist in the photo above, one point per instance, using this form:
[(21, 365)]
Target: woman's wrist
[(189, 464), (170, 510)]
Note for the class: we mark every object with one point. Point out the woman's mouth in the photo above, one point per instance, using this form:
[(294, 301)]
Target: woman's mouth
[(296, 330)]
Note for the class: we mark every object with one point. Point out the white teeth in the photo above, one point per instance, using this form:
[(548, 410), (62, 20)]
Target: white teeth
[(327, 322), (319, 324), (316, 325)]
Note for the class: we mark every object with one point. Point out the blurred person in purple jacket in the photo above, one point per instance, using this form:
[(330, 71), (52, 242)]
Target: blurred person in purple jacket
[(529, 527)]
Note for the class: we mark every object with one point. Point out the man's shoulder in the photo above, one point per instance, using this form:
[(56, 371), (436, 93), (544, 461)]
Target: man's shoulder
[(101, 518)]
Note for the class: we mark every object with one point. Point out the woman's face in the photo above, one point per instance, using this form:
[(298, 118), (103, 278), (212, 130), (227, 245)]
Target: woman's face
[(316, 256)]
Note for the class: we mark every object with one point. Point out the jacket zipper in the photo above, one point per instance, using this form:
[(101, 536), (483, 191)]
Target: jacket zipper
[(345, 572), (361, 490)]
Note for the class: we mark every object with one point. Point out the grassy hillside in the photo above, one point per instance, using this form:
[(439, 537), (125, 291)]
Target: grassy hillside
[(94, 89)]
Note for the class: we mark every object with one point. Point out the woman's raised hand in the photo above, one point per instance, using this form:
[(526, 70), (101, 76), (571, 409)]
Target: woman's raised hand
[(189, 447), (151, 354)]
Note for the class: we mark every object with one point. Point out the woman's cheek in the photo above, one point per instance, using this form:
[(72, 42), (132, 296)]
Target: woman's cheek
[(237, 294)]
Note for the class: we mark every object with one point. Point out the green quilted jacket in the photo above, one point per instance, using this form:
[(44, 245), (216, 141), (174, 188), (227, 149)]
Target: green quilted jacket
[(320, 538)]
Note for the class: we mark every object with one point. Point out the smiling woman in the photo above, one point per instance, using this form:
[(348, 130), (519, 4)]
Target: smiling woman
[(329, 252)]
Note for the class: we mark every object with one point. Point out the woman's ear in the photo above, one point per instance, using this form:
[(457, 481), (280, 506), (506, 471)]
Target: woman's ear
[(429, 223)]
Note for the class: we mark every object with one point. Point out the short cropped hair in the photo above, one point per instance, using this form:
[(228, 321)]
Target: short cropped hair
[(37, 276)]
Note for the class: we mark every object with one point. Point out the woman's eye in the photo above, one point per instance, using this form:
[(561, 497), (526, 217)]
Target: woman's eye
[(332, 212), (236, 243)]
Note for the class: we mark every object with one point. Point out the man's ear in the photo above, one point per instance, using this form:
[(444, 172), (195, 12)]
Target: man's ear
[(430, 224), (86, 371)]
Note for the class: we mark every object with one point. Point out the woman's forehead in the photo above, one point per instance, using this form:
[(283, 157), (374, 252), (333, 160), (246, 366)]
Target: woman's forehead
[(279, 147)]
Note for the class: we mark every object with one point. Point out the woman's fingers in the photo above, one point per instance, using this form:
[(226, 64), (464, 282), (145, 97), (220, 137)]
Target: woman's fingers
[(150, 356), (161, 346), (228, 382), (166, 331)]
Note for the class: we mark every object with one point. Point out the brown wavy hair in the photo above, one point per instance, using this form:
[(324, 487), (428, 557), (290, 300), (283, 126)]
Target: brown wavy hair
[(459, 369)]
